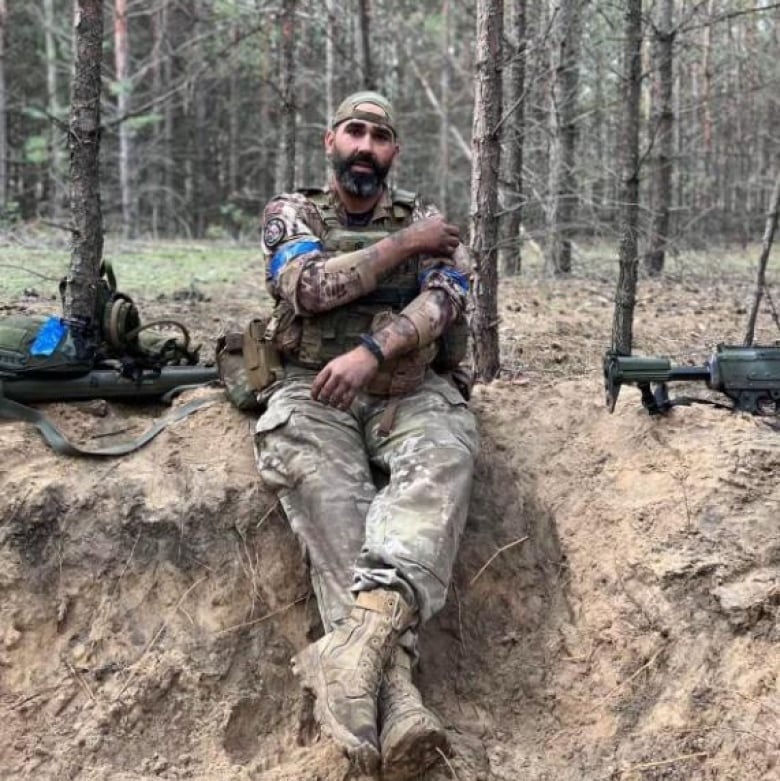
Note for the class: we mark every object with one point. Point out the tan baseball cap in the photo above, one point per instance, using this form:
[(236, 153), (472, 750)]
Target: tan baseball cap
[(368, 106)]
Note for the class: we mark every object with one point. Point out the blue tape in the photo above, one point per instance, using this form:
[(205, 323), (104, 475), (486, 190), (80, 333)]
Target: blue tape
[(48, 338), (458, 277), (291, 251)]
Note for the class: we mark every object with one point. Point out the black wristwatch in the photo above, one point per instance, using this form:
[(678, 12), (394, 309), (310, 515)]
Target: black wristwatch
[(371, 344)]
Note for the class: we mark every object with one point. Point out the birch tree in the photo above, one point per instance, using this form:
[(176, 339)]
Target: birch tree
[(486, 157)]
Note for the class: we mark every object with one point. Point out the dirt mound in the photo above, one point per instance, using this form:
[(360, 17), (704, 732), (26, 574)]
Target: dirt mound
[(614, 611)]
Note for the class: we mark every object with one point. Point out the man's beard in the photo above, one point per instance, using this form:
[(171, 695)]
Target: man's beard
[(364, 184)]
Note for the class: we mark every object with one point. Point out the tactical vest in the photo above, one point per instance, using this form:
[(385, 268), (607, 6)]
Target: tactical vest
[(330, 334)]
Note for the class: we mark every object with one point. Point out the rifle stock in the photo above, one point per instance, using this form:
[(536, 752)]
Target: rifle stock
[(749, 376)]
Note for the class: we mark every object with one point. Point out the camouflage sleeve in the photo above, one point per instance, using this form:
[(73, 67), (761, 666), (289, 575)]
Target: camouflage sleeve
[(297, 267), (291, 230), (452, 275), (444, 287)]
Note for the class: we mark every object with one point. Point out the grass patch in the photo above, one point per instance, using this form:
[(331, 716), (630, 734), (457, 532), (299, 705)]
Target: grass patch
[(144, 270)]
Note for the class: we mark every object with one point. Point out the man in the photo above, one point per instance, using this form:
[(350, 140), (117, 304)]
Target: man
[(370, 450)]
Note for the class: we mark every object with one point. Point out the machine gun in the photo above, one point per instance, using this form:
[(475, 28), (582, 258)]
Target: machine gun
[(749, 376)]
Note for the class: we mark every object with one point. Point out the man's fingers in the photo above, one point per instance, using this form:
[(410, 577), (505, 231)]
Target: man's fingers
[(319, 382)]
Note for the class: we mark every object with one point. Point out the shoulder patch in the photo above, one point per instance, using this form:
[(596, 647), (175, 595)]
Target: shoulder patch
[(273, 232)]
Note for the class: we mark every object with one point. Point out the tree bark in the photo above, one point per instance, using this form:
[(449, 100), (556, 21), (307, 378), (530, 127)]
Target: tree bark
[(55, 169), (159, 174), (122, 67), (486, 158), (625, 298), (369, 81), (286, 164), (513, 138), (3, 112), (444, 102), (79, 298), (664, 140), (563, 185), (766, 248)]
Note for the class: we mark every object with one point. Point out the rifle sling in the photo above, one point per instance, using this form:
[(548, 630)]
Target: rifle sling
[(13, 410)]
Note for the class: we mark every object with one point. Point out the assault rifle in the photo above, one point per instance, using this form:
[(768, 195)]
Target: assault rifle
[(749, 376)]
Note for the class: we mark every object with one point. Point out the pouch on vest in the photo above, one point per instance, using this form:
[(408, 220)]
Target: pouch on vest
[(248, 362)]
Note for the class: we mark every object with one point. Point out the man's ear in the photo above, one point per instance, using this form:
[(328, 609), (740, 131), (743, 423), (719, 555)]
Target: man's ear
[(328, 140)]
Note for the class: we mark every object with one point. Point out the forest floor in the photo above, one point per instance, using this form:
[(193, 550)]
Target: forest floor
[(614, 610)]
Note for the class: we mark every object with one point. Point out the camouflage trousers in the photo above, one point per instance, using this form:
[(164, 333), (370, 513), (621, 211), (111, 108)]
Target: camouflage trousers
[(371, 509)]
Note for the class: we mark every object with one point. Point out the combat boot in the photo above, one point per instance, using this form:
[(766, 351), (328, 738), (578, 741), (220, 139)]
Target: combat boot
[(343, 670), (411, 737)]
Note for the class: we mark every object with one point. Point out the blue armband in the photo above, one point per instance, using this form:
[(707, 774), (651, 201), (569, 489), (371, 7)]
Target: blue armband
[(458, 277), (291, 251)]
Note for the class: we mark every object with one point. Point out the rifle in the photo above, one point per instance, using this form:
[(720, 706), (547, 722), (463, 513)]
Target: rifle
[(148, 385), (102, 383), (749, 376)]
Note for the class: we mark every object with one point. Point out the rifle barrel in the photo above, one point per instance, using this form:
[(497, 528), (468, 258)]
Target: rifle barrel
[(107, 384)]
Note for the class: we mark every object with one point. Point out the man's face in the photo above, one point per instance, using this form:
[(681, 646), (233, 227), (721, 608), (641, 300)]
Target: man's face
[(361, 154)]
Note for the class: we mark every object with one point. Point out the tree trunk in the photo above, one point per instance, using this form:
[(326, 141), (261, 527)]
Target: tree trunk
[(486, 158), (3, 112), (121, 64), (632, 80), (563, 186), (766, 248), (55, 185), (369, 81), (156, 174), (444, 121), (285, 181), (330, 58), (664, 139), (79, 299), (513, 135)]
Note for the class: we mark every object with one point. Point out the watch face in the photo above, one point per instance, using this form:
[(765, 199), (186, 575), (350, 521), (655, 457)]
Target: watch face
[(273, 232)]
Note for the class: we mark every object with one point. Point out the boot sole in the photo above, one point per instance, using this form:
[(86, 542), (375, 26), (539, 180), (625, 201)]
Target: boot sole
[(414, 753), (306, 667)]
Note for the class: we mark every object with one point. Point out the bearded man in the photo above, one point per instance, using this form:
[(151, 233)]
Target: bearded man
[(368, 444)]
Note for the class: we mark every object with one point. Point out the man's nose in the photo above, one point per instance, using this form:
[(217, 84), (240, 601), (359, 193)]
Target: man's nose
[(366, 143)]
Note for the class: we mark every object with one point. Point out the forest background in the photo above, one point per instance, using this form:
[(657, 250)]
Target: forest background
[(209, 108)]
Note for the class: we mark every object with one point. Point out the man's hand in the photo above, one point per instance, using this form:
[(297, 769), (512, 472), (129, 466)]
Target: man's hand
[(433, 236), (340, 380)]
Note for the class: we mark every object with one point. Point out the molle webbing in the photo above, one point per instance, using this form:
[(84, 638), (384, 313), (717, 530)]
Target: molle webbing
[(330, 334)]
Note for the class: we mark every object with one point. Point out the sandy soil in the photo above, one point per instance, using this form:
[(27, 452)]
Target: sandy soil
[(614, 613)]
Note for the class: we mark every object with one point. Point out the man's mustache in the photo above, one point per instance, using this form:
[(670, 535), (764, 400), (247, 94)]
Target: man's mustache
[(364, 157)]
